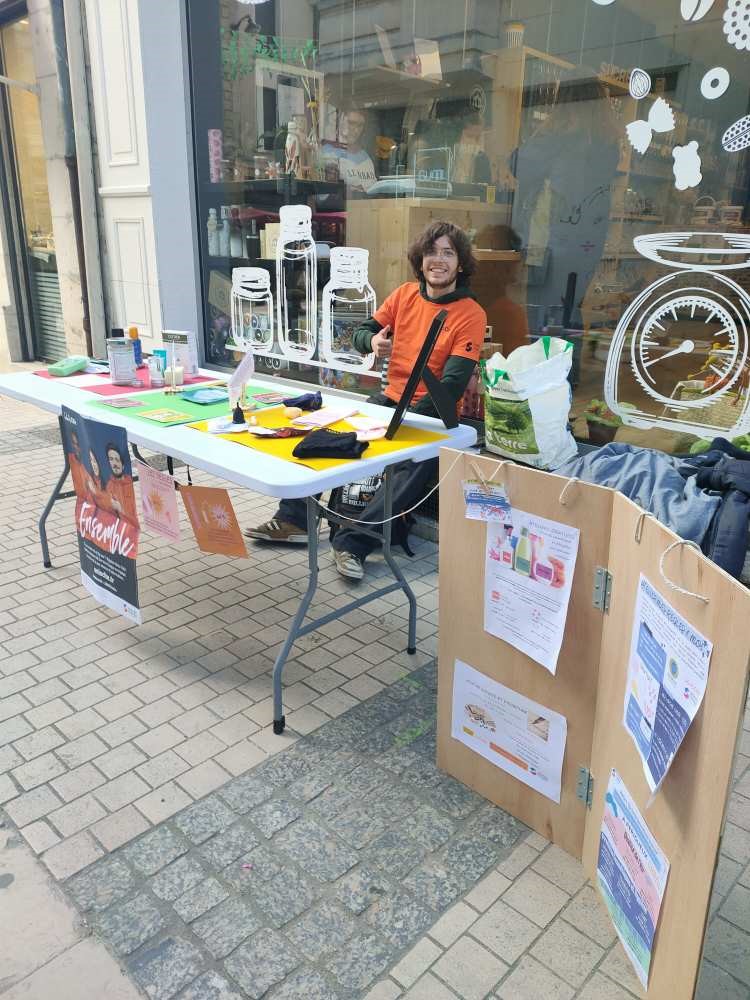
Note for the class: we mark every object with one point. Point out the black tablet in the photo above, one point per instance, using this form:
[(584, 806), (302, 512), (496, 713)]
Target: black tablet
[(442, 400)]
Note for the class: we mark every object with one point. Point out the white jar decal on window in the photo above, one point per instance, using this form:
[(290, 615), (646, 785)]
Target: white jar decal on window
[(348, 301), (679, 358), (252, 310), (296, 284)]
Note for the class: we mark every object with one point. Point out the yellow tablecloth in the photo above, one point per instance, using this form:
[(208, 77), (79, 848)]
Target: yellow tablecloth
[(406, 437)]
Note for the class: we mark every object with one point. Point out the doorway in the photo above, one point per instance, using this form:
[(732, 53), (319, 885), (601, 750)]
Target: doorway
[(23, 172)]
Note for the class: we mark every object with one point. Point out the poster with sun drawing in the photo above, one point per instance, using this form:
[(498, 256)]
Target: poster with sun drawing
[(679, 356), (158, 502), (214, 521)]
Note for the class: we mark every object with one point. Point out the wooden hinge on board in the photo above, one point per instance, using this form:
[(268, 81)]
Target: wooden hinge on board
[(602, 588), (585, 786)]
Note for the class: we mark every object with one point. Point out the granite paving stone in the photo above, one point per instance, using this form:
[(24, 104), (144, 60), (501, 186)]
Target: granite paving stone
[(322, 930), (210, 986), (261, 962), (164, 968), (244, 793), (178, 878), (284, 897), (200, 899), (316, 850), (436, 884), (204, 819), (258, 865), (428, 827), (306, 984), (155, 850), (394, 853), (400, 918), (101, 885), (357, 963), (126, 926), (227, 925), (274, 816), (226, 847), (360, 888), (358, 826)]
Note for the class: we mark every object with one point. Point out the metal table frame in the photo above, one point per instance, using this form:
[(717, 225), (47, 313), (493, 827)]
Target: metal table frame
[(296, 629)]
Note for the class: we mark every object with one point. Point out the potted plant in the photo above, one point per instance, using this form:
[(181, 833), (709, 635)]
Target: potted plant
[(601, 421)]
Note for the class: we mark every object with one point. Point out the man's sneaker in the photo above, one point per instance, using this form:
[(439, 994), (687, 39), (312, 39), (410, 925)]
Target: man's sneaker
[(349, 565), (278, 531)]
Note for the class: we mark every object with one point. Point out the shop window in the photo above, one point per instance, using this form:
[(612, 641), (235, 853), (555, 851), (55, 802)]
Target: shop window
[(596, 154)]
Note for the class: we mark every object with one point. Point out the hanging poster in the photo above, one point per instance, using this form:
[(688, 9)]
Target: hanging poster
[(214, 521), (667, 676), (158, 502), (106, 516), (521, 737), (528, 576), (632, 874)]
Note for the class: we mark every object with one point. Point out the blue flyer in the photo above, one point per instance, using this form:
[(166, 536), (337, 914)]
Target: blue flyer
[(667, 676)]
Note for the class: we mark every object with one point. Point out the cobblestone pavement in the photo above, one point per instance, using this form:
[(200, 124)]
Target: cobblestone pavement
[(139, 765)]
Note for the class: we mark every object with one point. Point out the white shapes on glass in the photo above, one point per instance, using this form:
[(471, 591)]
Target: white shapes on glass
[(686, 166), (694, 10), (603, 3), (737, 136), (296, 284), (705, 396), (660, 119), (696, 251), (252, 310), (737, 23), (348, 301), (639, 84), (714, 83)]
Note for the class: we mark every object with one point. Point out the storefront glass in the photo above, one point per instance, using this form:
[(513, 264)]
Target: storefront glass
[(27, 161), (556, 132)]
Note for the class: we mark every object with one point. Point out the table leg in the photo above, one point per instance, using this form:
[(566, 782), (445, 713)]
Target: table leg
[(395, 569), (56, 495), (313, 517)]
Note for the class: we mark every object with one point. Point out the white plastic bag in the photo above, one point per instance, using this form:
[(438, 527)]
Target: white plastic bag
[(527, 402)]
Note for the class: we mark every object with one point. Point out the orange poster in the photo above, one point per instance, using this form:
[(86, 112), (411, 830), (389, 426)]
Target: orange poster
[(213, 519)]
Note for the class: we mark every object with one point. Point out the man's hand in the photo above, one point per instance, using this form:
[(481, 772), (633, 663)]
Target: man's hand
[(381, 344)]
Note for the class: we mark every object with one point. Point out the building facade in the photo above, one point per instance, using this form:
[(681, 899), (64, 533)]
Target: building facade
[(596, 152)]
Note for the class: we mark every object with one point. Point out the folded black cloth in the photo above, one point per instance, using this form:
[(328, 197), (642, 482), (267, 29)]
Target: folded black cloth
[(307, 401), (330, 444)]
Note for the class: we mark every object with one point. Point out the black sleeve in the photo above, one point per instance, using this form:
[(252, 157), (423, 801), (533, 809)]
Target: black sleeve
[(362, 337), (456, 375)]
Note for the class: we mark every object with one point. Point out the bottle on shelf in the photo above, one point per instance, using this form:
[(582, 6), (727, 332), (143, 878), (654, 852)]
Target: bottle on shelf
[(236, 247), (224, 232), (213, 233)]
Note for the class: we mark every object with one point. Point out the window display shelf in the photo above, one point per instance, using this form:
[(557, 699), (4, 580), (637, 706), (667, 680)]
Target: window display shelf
[(280, 185)]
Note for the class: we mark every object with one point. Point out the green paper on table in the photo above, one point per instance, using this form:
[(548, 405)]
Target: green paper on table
[(171, 409)]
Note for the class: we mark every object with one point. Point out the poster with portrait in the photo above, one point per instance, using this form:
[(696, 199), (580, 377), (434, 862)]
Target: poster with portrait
[(106, 515)]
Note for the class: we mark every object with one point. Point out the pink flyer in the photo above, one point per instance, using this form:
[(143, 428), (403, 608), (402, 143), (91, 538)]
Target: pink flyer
[(158, 502)]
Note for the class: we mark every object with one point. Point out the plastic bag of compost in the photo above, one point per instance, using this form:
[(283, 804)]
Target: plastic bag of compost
[(527, 402)]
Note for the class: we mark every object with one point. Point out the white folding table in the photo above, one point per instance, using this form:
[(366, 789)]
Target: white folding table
[(255, 471)]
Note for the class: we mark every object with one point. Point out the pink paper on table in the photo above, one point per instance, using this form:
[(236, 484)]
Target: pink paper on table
[(101, 385), (158, 502)]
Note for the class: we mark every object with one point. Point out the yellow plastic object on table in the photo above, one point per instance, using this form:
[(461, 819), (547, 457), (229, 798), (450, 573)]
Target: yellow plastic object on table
[(406, 437)]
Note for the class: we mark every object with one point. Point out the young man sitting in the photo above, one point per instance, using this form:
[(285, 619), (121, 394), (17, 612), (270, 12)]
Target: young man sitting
[(443, 262)]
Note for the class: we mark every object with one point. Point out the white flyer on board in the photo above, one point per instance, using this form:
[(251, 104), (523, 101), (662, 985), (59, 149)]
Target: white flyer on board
[(528, 576), (667, 677), (521, 737)]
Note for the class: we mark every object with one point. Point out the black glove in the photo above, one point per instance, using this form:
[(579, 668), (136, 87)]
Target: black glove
[(330, 444)]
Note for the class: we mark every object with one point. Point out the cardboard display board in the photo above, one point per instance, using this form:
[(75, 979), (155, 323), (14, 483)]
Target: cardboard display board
[(686, 814)]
